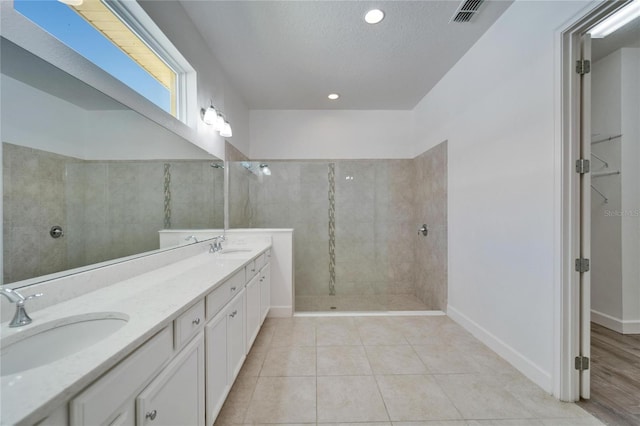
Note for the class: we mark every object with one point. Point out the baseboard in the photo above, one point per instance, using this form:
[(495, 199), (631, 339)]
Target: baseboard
[(615, 324), (515, 358), (280, 312)]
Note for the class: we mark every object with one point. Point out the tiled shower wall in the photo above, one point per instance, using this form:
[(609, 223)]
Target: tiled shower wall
[(431, 209), (378, 207), (33, 186), (108, 209)]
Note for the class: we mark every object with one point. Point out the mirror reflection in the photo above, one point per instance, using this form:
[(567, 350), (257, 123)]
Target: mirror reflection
[(87, 180)]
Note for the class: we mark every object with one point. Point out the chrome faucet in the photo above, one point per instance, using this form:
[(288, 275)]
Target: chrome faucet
[(21, 317), (216, 246)]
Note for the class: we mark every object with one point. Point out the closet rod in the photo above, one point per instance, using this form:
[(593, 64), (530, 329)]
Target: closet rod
[(606, 200), (597, 175), (606, 140)]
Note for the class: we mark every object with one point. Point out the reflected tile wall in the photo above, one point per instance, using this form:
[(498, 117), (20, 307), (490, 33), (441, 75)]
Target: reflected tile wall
[(107, 209), (33, 185), (431, 208), (239, 208)]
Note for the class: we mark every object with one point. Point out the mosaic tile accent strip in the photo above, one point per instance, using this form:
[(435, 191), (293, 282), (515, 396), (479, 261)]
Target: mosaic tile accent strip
[(167, 196), (332, 229)]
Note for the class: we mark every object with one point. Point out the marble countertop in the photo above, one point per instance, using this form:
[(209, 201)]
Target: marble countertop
[(151, 301)]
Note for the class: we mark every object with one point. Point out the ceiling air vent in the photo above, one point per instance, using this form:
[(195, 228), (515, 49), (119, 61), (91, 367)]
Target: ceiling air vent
[(467, 10)]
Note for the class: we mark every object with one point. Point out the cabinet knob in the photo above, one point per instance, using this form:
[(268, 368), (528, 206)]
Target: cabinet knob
[(233, 314), (196, 321), (151, 415), (233, 288)]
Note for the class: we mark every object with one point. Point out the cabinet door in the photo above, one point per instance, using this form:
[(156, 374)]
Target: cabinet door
[(253, 310), (235, 335), (265, 291), (217, 386), (176, 395)]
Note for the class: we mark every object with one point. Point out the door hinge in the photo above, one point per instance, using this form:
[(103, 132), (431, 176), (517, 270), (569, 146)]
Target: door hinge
[(582, 265), (583, 66), (582, 363), (583, 166)]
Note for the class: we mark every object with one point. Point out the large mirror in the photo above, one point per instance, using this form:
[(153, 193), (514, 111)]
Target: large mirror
[(87, 180)]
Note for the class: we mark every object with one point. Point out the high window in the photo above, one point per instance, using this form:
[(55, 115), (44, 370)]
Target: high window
[(109, 35)]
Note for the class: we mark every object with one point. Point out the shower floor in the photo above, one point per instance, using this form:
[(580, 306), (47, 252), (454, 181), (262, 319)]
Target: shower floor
[(356, 303)]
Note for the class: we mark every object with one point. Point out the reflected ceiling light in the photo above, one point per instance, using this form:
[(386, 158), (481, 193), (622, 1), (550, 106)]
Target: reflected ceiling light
[(616, 21), (226, 130), (208, 115), (374, 16), (72, 2), (333, 96), (265, 169)]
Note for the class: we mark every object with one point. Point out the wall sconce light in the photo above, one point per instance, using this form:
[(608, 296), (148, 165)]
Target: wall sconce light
[(265, 169), (209, 115), (226, 130), (212, 116)]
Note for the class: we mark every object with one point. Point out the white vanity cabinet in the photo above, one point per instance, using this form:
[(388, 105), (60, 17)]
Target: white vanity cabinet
[(253, 310), (225, 351), (176, 395), (111, 399), (183, 374), (265, 291)]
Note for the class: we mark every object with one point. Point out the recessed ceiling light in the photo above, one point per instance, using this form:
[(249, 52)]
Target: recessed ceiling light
[(374, 16), (333, 96)]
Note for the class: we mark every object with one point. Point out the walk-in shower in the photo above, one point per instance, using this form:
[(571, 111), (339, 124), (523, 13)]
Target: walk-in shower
[(356, 240)]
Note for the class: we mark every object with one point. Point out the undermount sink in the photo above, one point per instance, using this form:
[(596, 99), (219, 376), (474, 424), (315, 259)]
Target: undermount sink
[(41, 344), (232, 250)]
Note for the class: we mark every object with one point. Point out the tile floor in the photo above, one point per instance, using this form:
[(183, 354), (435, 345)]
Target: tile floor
[(355, 303), (406, 371)]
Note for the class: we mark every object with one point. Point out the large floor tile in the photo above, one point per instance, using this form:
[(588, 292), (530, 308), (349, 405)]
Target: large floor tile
[(283, 400), (342, 361), (398, 359), (290, 361), (294, 335), (415, 397), (479, 396), (332, 332), (349, 399), (379, 331)]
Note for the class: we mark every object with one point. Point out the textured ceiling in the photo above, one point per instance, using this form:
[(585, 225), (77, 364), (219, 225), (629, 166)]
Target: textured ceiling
[(292, 54)]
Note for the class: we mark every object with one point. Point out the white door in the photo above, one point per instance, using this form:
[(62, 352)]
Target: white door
[(585, 219)]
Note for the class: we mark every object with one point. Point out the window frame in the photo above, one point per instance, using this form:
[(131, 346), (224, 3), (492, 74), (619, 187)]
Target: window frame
[(21, 31)]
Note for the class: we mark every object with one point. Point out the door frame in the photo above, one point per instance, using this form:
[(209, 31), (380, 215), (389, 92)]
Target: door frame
[(568, 300)]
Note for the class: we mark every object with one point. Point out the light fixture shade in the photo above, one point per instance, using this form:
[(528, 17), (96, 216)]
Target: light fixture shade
[(265, 169), (226, 130), (209, 115), (616, 21), (374, 16), (218, 124)]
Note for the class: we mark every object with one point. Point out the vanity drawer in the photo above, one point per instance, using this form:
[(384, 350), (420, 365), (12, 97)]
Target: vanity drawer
[(187, 324), (101, 402), (260, 261), (221, 295), (250, 271)]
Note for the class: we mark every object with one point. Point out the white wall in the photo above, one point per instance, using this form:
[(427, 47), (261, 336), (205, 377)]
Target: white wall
[(36, 119), (330, 134), (212, 80), (630, 181), (606, 247), (496, 109)]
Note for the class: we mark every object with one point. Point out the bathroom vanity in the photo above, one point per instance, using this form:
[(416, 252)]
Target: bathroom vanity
[(180, 337)]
